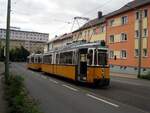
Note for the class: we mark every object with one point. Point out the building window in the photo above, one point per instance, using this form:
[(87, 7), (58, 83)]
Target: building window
[(136, 52), (94, 31), (123, 54), (123, 36), (144, 52), (81, 34), (102, 29), (111, 39), (145, 13), (145, 32), (85, 34), (111, 54), (137, 15), (111, 22), (137, 34), (124, 20)]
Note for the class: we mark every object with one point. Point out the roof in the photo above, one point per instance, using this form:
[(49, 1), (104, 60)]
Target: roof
[(25, 31), (80, 45), (92, 23), (130, 6), (64, 36)]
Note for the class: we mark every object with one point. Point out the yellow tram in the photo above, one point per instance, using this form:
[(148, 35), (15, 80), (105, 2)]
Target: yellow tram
[(34, 61), (83, 62)]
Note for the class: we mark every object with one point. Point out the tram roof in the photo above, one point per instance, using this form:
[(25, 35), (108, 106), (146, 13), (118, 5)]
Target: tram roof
[(80, 45), (34, 55)]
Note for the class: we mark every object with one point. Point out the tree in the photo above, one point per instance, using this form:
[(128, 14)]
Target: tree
[(19, 54)]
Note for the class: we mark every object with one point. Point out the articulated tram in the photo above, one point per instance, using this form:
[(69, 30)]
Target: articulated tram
[(80, 62)]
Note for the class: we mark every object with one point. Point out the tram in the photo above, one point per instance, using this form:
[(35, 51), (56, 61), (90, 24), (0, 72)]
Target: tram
[(83, 62), (34, 61)]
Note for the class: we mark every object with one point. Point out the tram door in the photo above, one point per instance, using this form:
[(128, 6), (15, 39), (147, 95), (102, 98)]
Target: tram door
[(82, 65)]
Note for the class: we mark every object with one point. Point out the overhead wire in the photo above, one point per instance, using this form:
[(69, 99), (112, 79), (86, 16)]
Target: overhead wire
[(85, 14), (101, 6)]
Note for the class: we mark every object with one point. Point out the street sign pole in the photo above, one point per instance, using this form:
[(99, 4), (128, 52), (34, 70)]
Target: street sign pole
[(7, 41)]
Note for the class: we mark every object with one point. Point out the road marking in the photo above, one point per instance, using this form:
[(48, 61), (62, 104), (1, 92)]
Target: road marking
[(53, 81), (70, 87), (44, 77), (105, 101)]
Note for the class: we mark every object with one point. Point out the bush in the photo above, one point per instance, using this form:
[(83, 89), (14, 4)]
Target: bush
[(147, 76), (16, 95)]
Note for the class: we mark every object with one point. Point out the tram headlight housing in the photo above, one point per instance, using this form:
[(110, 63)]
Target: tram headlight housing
[(84, 78)]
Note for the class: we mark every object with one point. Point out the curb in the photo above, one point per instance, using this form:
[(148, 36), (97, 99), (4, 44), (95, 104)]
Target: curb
[(123, 75)]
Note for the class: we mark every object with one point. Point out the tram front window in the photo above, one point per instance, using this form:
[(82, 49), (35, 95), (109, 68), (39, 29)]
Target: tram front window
[(102, 57)]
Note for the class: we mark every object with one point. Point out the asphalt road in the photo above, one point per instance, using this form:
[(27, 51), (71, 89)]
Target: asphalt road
[(60, 96)]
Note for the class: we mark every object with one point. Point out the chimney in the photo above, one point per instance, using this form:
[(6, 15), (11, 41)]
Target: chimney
[(100, 14)]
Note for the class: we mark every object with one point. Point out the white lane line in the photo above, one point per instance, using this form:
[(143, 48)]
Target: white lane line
[(70, 87), (44, 77), (53, 81), (102, 100)]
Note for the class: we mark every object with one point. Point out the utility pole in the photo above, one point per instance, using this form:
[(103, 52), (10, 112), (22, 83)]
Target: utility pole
[(140, 43), (7, 41)]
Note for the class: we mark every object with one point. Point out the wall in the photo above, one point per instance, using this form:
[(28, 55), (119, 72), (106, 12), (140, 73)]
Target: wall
[(132, 43), (89, 34)]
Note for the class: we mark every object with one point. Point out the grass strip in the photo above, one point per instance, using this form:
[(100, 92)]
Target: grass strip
[(17, 97)]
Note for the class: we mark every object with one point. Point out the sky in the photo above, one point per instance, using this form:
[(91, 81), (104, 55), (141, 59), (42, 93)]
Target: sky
[(54, 16)]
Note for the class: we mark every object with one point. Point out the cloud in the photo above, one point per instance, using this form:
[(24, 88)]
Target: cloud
[(51, 16)]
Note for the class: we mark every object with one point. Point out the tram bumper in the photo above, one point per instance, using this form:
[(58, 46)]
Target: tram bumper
[(102, 82)]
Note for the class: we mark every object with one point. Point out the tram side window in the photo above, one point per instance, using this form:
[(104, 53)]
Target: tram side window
[(62, 58), (74, 58), (35, 60), (32, 59), (57, 58), (102, 58), (66, 58), (47, 59), (69, 56), (39, 59), (90, 57)]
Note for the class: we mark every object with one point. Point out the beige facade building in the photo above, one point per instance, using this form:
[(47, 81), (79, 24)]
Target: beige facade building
[(59, 41), (94, 30), (32, 41)]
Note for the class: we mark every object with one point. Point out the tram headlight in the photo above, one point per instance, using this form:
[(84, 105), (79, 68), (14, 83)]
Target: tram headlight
[(84, 78)]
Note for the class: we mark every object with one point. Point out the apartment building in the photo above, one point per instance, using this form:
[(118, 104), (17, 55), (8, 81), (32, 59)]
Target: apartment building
[(123, 34), (32, 41), (94, 30), (59, 41)]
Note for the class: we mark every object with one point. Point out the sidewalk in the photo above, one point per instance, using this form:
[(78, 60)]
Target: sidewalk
[(2, 101), (132, 76)]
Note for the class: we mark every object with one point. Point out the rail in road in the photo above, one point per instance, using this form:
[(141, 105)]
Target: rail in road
[(59, 96)]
